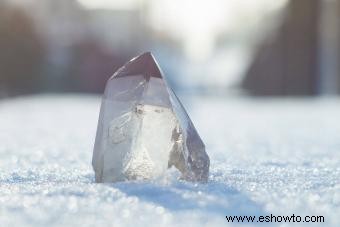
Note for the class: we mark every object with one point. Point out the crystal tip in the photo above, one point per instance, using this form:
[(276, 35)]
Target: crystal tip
[(144, 64)]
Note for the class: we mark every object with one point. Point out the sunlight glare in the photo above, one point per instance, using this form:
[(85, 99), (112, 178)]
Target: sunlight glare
[(109, 4)]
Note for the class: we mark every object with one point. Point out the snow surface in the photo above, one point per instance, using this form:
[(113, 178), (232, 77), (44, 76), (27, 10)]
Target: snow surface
[(269, 156)]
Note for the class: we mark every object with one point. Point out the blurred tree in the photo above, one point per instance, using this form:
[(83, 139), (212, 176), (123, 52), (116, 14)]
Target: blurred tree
[(21, 52), (92, 66), (288, 64)]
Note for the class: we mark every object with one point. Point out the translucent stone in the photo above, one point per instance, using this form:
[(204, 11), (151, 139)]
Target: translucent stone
[(143, 128)]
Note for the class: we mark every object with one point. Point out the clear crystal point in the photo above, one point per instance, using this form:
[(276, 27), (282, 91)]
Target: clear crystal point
[(143, 128)]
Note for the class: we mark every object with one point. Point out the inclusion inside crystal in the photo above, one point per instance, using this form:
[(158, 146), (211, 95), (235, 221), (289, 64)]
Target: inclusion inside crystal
[(151, 148), (144, 132)]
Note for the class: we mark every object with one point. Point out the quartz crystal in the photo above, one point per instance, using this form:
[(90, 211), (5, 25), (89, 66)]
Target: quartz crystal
[(143, 128)]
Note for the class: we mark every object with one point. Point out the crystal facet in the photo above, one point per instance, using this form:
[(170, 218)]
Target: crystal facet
[(143, 128)]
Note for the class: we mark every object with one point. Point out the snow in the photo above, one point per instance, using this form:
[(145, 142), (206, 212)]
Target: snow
[(268, 156)]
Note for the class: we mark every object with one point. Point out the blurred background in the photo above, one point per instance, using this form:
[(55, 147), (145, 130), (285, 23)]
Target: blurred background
[(216, 47)]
